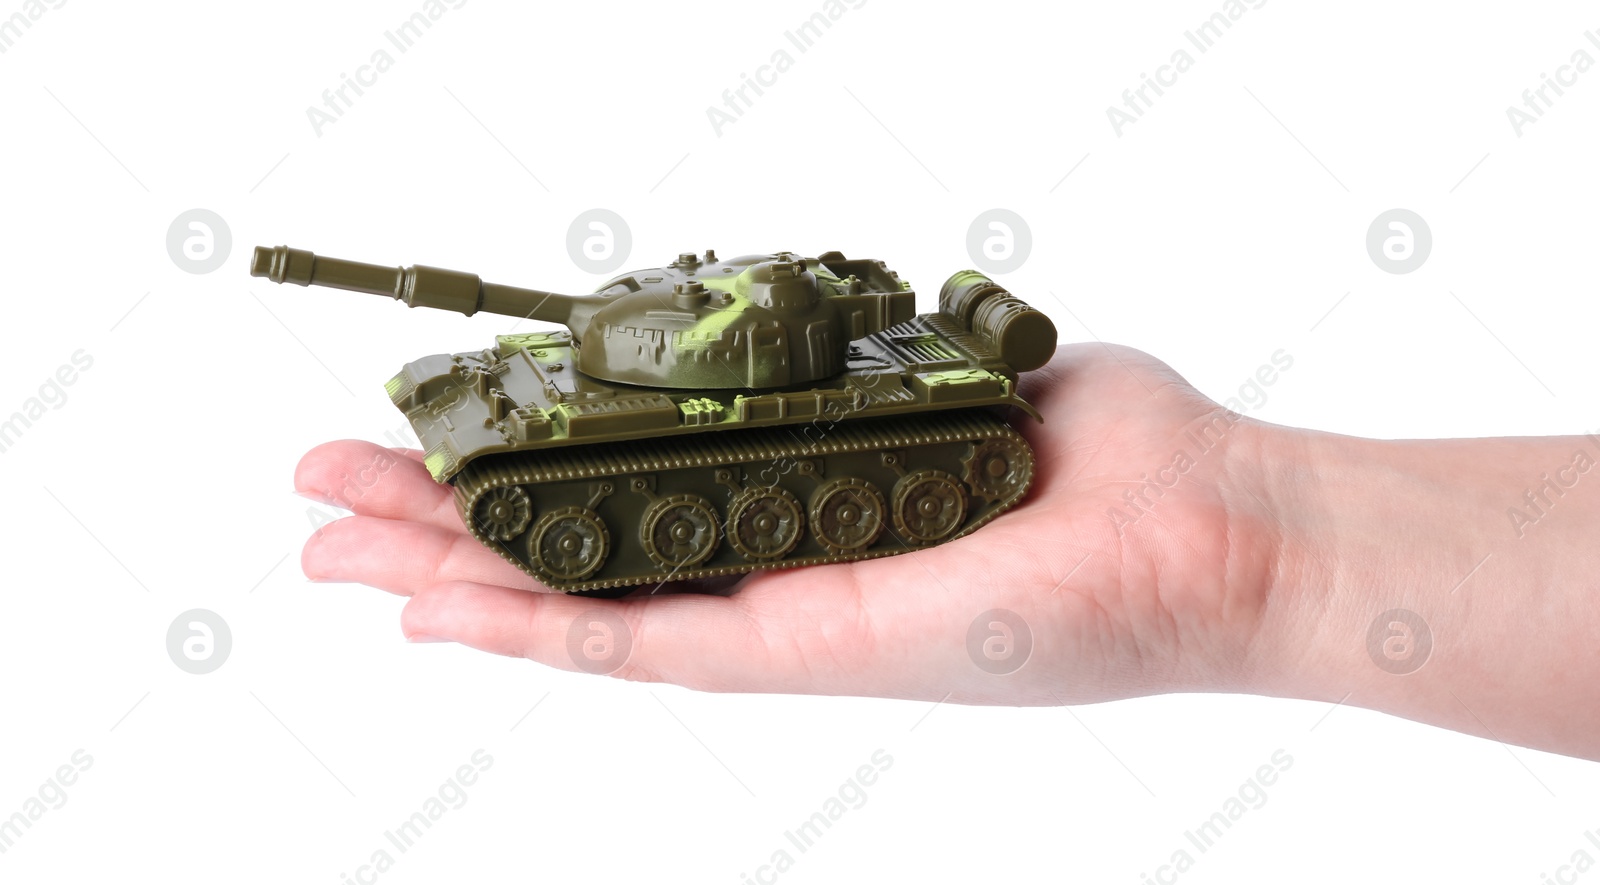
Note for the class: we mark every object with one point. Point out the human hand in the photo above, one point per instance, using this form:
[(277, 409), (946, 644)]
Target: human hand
[(1171, 594)]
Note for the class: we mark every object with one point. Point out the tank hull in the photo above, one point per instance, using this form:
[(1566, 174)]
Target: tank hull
[(523, 395), (590, 485)]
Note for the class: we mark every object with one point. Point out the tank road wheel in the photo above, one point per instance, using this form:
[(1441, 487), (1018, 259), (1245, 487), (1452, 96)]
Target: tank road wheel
[(929, 506), (502, 513), (998, 468), (569, 544), (847, 515), (679, 531), (765, 524)]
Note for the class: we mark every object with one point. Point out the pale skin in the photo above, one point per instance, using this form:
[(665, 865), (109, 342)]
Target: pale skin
[(1257, 564)]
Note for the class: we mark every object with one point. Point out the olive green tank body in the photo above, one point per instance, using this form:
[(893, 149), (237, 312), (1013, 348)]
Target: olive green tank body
[(715, 416)]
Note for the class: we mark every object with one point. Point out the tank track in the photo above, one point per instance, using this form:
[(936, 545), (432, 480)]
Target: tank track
[(644, 512)]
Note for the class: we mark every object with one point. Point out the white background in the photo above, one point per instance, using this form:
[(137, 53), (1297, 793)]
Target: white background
[(1220, 228)]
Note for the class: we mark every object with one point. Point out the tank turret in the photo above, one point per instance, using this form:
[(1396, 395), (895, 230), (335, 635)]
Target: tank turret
[(759, 321)]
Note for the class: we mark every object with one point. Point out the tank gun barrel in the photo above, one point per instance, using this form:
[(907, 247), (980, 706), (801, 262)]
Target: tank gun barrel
[(417, 286)]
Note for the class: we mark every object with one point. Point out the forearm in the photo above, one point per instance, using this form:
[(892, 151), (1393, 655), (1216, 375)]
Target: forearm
[(1492, 544)]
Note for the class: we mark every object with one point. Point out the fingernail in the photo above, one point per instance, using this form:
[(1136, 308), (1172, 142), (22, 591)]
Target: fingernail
[(423, 637)]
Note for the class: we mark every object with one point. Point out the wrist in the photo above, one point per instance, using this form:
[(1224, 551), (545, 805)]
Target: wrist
[(1405, 582), (1287, 498), (1311, 495)]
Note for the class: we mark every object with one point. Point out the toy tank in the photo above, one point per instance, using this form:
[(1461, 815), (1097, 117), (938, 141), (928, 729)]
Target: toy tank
[(714, 416)]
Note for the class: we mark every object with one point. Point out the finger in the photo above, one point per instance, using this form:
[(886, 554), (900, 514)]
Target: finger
[(403, 557), (875, 628), (375, 481), (413, 454), (710, 643)]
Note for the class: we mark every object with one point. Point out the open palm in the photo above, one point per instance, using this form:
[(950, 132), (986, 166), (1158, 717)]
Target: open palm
[(1125, 571)]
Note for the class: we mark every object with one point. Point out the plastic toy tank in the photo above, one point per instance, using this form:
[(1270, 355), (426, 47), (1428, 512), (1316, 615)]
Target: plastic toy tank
[(714, 416)]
